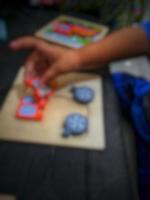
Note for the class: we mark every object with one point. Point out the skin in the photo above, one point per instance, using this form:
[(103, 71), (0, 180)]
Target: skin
[(55, 60)]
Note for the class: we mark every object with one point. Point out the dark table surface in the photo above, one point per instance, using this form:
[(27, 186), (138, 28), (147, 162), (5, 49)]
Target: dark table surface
[(44, 172)]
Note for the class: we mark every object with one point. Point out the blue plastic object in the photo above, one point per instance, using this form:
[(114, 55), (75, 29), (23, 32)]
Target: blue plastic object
[(83, 94), (75, 124)]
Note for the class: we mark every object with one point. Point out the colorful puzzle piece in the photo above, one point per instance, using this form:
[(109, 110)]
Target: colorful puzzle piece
[(62, 28), (40, 90), (83, 31), (30, 100), (83, 94), (31, 107), (28, 109), (75, 124)]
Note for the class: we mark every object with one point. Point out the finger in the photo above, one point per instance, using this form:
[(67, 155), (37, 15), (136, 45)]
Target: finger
[(30, 65), (29, 43), (34, 43), (50, 74), (29, 71), (24, 42)]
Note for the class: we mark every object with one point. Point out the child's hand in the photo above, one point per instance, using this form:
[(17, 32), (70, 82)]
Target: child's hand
[(46, 60)]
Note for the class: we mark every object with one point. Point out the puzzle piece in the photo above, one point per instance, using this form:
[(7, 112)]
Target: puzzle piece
[(83, 94), (29, 109), (62, 28), (30, 100), (40, 90), (83, 31), (75, 124)]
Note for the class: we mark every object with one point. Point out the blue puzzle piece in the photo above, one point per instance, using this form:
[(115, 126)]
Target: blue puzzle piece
[(83, 94), (75, 124)]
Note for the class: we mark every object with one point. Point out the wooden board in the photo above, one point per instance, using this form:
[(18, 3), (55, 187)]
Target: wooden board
[(72, 40), (50, 129)]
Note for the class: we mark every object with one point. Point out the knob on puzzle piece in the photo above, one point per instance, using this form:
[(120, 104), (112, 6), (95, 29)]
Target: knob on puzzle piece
[(75, 124), (83, 94)]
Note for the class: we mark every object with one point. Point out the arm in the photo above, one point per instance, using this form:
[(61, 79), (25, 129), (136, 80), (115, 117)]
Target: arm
[(127, 42)]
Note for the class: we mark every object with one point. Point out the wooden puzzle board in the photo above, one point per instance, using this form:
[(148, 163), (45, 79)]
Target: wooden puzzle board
[(73, 41), (49, 130)]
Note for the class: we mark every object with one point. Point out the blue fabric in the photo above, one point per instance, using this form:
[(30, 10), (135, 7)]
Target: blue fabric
[(146, 27), (131, 91)]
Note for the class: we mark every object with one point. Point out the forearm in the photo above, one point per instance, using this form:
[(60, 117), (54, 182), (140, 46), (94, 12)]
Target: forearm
[(127, 42)]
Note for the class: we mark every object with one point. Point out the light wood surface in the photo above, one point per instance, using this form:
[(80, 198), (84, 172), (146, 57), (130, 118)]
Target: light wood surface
[(49, 130)]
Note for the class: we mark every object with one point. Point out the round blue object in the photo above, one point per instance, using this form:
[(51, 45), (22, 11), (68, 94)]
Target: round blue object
[(28, 99), (83, 94), (75, 124), (28, 110)]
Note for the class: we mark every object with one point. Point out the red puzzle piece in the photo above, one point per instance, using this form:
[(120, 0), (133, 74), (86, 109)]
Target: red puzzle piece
[(40, 90), (28, 109)]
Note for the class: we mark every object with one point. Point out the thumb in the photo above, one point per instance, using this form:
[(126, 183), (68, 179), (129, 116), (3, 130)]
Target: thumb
[(50, 74)]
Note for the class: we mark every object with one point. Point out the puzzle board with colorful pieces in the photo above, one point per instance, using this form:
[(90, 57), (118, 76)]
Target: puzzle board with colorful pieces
[(72, 32), (49, 130)]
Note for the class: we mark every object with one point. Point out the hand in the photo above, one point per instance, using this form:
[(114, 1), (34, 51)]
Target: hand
[(46, 60)]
